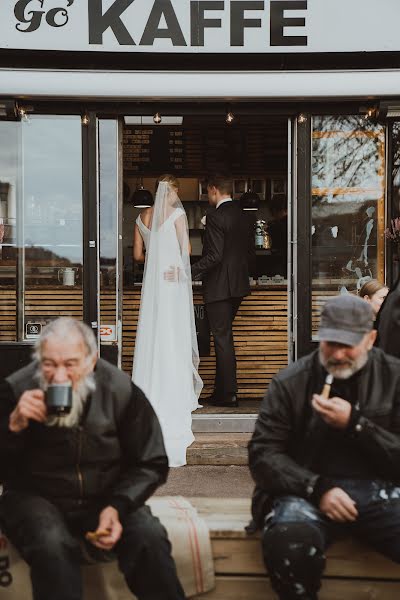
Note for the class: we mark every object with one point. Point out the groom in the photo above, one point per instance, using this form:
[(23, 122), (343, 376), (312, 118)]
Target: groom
[(224, 271)]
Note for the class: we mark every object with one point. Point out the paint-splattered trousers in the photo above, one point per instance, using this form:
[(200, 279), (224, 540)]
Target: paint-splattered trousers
[(296, 535)]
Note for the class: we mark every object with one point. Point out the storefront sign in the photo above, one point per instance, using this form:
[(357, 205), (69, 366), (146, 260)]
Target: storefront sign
[(108, 333), (202, 26)]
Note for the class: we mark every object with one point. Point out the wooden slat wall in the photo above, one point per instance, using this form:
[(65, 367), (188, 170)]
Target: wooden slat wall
[(53, 303), (8, 315), (41, 305), (260, 330), (260, 334)]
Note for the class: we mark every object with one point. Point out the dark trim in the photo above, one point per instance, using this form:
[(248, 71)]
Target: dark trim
[(110, 353), (304, 207), (244, 108), (90, 225), (389, 202), (39, 59), (14, 356)]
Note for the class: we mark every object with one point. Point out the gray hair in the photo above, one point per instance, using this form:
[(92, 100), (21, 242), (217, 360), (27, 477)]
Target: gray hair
[(64, 327)]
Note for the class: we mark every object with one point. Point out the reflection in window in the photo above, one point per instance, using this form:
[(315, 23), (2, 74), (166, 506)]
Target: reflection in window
[(348, 166), (395, 193), (9, 157), (52, 218), (108, 205), (40, 222)]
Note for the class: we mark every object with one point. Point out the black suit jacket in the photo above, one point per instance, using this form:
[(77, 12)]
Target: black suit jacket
[(224, 264), (388, 322)]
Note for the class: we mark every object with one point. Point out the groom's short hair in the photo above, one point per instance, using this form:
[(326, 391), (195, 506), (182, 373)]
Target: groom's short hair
[(223, 183)]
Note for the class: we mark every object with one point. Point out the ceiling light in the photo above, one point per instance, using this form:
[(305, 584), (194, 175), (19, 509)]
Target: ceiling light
[(157, 118), (141, 120), (249, 201), (142, 198)]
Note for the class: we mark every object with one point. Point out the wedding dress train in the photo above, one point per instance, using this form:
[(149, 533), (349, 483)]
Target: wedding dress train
[(166, 354)]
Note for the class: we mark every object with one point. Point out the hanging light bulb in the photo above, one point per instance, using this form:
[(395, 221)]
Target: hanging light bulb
[(23, 115), (85, 120), (157, 118), (370, 113), (230, 117), (302, 118), (142, 198)]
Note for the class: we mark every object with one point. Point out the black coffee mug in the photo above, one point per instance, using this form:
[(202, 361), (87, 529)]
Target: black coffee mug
[(59, 398)]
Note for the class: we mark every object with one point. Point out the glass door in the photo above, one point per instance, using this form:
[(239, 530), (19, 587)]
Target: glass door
[(41, 224), (110, 240), (340, 208)]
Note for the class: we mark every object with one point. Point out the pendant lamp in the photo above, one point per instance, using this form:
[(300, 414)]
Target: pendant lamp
[(249, 201), (142, 198)]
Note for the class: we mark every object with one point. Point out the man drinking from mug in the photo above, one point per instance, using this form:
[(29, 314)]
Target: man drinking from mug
[(89, 469)]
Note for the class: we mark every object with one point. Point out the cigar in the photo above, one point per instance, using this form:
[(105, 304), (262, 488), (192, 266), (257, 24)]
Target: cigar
[(326, 390), (94, 536)]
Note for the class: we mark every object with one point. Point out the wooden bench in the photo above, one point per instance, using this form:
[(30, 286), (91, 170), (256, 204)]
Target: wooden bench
[(353, 572)]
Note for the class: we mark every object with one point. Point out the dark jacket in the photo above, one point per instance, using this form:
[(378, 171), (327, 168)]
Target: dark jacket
[(115, 457), (388, 322), (289, 434), (224, 264)]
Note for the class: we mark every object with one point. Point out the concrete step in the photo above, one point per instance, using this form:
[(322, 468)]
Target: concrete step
[(222, 481), (219, 449)]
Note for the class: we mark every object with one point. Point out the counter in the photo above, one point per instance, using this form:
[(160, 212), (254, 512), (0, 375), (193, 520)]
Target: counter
[(260, 327), (260, 334)]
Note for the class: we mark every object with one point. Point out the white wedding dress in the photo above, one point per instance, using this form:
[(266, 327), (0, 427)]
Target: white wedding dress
[(166, 354)]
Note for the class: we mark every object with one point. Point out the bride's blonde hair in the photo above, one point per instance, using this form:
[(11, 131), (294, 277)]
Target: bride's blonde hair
[(171, 179)]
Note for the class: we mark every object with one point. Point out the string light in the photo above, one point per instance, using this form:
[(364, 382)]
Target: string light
[(302, 118), (230, 117), (23, 115), (85, 120)]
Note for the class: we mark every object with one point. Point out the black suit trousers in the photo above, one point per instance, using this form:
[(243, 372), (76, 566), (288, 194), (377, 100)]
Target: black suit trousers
[(221, 315)]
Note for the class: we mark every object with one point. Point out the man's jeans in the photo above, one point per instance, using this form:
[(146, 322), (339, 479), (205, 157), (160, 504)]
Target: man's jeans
[(296, 535), (50, 545)]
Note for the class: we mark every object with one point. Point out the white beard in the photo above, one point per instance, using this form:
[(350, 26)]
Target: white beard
[(79, 397), (343, 373)]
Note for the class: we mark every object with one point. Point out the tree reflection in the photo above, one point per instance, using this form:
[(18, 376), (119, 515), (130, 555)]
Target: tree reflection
[(347, 179)]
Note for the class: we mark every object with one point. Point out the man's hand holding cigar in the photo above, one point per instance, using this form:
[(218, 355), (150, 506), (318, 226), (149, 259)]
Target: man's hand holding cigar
[(334, 411)]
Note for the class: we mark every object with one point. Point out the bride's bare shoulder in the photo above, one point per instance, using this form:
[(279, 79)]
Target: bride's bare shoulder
[(146, 216)]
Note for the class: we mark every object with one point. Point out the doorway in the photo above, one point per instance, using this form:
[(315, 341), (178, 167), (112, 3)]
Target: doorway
[(254, 151)]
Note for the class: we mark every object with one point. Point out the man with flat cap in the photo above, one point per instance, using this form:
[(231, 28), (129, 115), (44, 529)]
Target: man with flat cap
[(325, 454)]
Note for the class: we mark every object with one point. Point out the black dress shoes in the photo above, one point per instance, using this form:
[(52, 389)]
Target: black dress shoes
[(229, 400), (207, 400)]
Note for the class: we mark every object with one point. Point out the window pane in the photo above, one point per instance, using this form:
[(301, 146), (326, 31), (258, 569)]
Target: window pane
[(396, 194), (348, 213), (108, 200), (9, 160), (51, 219)]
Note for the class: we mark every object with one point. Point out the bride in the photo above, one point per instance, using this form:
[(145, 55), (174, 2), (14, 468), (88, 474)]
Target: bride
[(166, 355)]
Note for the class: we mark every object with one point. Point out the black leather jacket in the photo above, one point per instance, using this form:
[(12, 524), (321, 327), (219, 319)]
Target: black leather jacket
[(116, 456), (388, 322), (288, 434)]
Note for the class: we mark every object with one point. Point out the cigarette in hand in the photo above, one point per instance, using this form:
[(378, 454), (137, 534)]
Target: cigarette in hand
[(94, 536), (326, 390)]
